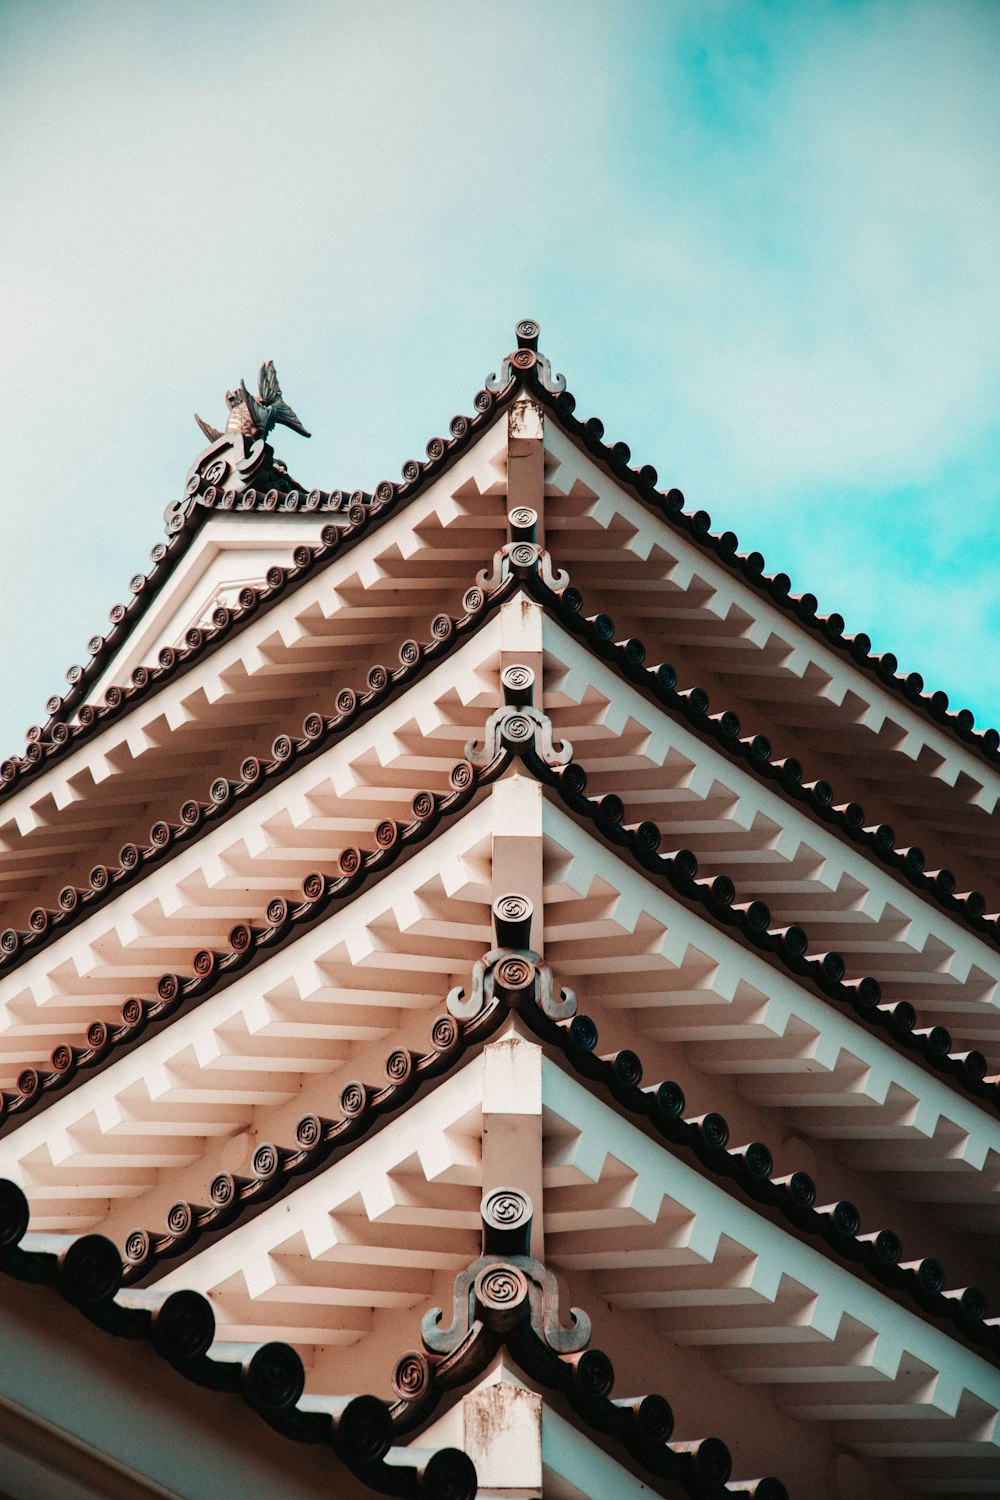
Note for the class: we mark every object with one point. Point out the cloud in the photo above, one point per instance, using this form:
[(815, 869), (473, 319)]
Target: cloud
[(762, 242)]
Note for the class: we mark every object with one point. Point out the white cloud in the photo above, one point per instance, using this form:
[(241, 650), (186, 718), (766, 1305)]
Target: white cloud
[(798, 289)]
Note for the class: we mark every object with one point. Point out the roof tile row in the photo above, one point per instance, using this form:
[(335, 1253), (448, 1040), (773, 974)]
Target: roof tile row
[(513, 979), (789, 946)]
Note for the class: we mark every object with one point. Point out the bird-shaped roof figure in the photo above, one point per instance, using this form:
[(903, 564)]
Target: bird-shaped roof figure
[(254, 416)]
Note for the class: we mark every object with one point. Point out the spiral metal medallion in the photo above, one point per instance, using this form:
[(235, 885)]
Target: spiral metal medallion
[(594, 1372), (517, 729), (365, 1429), (266, 1160), (28, 1083), (133, 1010), (423, 805), (223, 1190), (412, 1376), (501, 1295), (90, 1270), (180, 1219), (387, 833), (513, 908), (399, 1065), (309, 1132), (241, 937), (97, 1034), (506, 1209), (138, 1247), (353, 1100), (462, 776), (444, 1034), (517, 678), (524, 554)]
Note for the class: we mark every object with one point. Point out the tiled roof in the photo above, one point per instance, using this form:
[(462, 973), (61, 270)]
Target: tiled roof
[(515, 978), (270, 1378), (513, 731), (516, 1306), (363, 510), (628, 657)]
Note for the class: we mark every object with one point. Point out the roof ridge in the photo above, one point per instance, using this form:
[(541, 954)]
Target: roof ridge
[(597, 631), (528, 366), (515, 729), (507, 1298), (514, 978)]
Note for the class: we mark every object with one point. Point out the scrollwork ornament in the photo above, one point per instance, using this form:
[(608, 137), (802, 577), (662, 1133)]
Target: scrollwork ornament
[(467, 1006), (557, 1009), (518, 727), (489, 579), (554, 384), (498, 382), (556, 579)]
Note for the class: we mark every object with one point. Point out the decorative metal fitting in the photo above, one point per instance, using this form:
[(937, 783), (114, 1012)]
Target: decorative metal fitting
[(503, 1290), (523, 521), (518, 726), (518, 683), (519, 362), (506, 1214), (512, 921), (512, 971), (523, 558), (527, 332)]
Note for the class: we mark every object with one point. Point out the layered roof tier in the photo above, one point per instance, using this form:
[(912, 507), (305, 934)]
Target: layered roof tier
[(504, 832)]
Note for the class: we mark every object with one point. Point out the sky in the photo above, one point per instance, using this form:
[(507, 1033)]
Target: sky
[(762, 241)]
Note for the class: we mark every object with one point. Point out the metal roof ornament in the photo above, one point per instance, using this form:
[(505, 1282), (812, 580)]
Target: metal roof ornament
[(524, 359), (239, 459), (254, 416)]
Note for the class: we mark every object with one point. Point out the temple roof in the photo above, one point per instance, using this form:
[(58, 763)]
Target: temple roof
[(433, 906), (525, 369)]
